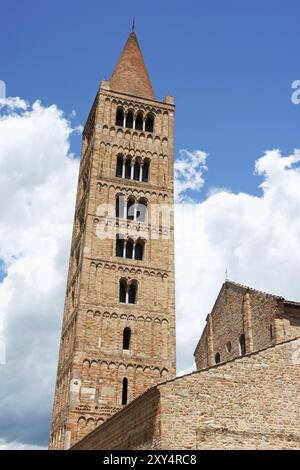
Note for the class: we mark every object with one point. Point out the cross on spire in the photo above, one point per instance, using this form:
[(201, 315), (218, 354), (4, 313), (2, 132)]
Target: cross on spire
[(133, 25)]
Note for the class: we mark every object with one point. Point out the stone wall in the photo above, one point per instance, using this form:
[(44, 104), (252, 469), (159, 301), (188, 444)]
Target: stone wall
[(137, 426), (263, 318), (251, 402)]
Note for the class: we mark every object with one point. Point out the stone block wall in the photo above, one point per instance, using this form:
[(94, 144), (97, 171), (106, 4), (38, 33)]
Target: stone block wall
[(263, 319), (251, 402)]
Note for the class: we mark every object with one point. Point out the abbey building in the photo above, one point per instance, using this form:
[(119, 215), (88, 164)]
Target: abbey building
[(116, 385)]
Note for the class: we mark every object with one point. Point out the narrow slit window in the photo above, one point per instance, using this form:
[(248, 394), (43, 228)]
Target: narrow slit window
[(242, 345), (124, 391), (126, 338), (217, 358)]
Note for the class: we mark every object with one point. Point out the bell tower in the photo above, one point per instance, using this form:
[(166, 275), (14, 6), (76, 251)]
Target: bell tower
[(118, 330)]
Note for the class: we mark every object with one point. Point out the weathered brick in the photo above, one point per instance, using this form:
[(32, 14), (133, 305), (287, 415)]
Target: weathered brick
[(251, 402), (92, 361)]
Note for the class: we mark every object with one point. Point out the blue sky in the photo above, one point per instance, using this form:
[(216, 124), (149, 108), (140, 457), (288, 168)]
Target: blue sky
[(229, 65)]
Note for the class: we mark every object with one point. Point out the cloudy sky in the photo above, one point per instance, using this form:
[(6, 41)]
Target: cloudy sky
[(236, 166)]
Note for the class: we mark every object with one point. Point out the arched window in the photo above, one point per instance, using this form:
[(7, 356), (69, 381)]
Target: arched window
[(141, 210), (217, 358), (129, 120), (145, 173), (124, 391), (127, 292), (130, 209), (139, 122), (118, 206), (119, 167), (139, 249), (119, 247), (149, 125), (242, 344), (126, 338), (132, 293), (136, 170), (122, 292), (129, 249), (120, 117), (128, 168)]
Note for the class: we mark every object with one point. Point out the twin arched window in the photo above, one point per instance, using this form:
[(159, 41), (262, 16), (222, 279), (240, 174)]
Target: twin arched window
[(129, 249), (132, 168), (130, 208), (127, 291), (138, 121)]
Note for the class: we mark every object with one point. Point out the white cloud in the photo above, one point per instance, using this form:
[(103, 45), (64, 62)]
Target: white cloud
[(256, 238), (38, 181), (14, 445), (215, 190), (188, 171), (13, 103)]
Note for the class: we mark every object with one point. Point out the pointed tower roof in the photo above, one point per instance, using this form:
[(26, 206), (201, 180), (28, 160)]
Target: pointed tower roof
[(130, 75)]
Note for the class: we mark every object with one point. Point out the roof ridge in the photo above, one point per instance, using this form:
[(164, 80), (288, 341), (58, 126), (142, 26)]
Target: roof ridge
[(243, 286), (220, 364)]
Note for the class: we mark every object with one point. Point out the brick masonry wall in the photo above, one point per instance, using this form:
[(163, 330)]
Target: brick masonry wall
[(262, 317), (92, 362), (137, 426), (291, 320), (251, 402)]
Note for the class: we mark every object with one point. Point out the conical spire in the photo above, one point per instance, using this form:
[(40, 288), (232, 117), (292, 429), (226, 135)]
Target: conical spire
[(130, 75)]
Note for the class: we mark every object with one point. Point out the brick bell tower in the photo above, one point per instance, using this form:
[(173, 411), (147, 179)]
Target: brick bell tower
[(118, 330)]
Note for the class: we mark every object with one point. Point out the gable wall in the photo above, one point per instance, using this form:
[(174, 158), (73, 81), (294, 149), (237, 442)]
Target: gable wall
[(238, 311)]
